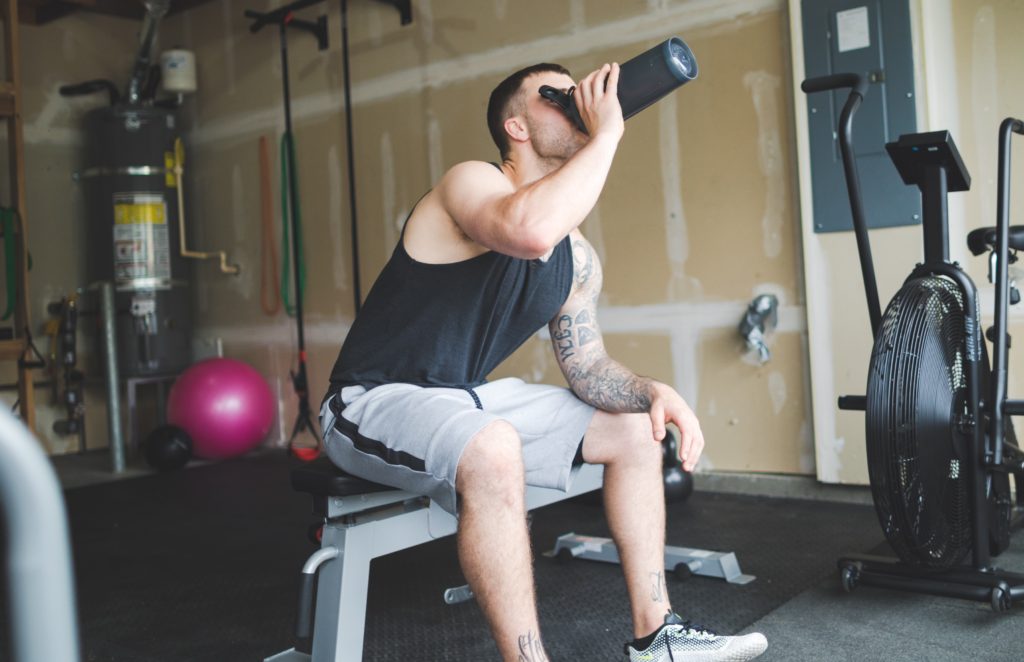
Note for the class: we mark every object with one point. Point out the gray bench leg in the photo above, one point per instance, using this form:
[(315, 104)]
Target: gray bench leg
[(341, 637)]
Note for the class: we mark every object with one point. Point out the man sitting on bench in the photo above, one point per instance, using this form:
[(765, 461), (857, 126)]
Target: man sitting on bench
[(485, 259)]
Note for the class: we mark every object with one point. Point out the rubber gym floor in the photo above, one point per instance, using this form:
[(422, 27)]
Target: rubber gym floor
[(203, 565)]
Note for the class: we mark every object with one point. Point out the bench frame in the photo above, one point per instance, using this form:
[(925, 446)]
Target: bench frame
[(362, 527)]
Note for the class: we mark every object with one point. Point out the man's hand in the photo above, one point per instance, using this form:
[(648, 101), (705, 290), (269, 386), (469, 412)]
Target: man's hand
[(668, 406), (597, 99)]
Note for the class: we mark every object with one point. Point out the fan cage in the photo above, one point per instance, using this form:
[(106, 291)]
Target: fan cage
[(917, 439)]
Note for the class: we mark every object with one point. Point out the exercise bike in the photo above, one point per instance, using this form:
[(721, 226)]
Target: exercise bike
[(940, 441)]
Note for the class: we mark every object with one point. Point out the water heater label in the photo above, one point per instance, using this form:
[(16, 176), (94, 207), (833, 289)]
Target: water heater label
[(141, 242)]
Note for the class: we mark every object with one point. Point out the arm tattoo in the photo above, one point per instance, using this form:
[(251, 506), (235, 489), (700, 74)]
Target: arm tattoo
[(583, 261), (530, 648), (595, 377), (561, 335)]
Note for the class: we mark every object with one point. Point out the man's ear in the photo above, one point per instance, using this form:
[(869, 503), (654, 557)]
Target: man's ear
[(515, 127)]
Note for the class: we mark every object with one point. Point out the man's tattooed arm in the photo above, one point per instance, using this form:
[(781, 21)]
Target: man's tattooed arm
[(593, 375)]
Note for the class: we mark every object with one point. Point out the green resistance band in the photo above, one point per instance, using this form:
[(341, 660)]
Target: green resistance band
[(288, 161)]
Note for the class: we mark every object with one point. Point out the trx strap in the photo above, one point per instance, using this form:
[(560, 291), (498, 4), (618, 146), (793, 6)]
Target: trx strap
[(288, 162)]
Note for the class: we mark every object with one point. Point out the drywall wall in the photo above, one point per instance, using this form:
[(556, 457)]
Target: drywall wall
[(698, 215)]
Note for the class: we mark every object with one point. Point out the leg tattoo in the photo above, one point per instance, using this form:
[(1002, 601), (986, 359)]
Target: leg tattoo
[(659, 589), (531, 649)]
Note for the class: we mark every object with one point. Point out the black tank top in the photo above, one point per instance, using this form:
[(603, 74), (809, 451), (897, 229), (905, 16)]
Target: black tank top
[(450, 324)]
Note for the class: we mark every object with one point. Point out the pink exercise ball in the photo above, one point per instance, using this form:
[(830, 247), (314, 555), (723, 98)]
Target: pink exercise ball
[(224, 405)]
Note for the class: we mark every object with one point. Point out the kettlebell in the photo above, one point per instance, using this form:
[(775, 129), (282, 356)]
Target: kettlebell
[(678, 483), (642, 80)]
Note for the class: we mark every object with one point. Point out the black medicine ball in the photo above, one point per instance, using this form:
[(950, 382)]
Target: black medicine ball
[(167, 448)]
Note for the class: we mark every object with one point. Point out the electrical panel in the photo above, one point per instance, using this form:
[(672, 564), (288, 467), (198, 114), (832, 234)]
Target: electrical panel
[(871, 38)]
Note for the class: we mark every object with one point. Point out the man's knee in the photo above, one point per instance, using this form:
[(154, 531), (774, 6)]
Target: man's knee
[(630, 439), (493, 462)]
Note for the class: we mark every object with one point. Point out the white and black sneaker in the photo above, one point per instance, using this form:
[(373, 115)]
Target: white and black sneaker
[(681, 641)]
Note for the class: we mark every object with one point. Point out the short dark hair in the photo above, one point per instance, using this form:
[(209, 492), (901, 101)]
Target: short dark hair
[(500, 105)]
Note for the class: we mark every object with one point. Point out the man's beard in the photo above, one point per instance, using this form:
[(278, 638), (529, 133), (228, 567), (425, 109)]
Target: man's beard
[(554, 144)]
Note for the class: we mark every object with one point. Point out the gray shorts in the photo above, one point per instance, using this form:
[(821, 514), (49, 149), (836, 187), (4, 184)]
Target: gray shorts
[(412, 438)]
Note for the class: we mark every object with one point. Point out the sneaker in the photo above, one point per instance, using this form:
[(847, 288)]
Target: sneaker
[(682, 641)]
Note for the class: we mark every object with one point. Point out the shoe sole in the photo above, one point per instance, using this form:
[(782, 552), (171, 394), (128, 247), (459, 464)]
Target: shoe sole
[(753, 647)]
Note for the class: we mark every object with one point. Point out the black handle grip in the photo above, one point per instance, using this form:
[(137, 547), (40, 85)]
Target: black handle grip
[(834, 82), (304, 626), (1018, 126), (853, 402)]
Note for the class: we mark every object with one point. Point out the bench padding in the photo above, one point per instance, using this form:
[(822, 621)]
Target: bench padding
[(322, 478)]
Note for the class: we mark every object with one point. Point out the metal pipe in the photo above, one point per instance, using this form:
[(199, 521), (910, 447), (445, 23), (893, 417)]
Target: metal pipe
[(179, 169), (155, 10), (39, 575), (113, 378)]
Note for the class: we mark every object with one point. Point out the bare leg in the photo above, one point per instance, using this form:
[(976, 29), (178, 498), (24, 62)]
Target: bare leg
[(634, 500), (494, 546)]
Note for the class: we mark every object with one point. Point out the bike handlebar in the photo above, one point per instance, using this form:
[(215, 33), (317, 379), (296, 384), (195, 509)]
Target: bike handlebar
[(835, 82)]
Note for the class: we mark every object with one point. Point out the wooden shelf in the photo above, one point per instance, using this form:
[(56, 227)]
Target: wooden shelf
[(10, 90)]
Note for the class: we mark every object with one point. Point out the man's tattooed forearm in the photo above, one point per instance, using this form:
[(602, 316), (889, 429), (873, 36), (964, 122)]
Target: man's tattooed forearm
[(609, 386), (530, 648)]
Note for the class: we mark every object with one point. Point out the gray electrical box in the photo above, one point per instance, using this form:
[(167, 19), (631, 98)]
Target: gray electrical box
[(871, 38)]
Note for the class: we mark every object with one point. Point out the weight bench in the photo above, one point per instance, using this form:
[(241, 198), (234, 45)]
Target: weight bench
[(364, 520)]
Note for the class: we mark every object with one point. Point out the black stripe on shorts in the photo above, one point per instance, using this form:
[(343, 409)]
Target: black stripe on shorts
[(371, 446)]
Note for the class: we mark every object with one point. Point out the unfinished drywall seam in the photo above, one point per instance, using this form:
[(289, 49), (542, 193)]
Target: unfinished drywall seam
[(677, 244), (685, 347), (577, 15), (388, 193), (689, 320), (594, 233), (244, 281), (764, 92), (435, 152), (40, 131), (336, 222), (228, 58)]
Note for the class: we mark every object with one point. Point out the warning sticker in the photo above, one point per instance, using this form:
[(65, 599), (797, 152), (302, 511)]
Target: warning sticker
[(141, 242)]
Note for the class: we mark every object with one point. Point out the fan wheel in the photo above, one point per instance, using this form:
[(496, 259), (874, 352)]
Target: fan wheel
[(917, 424)]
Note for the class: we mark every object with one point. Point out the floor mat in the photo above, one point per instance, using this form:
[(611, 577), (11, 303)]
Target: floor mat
[(203, 564)]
